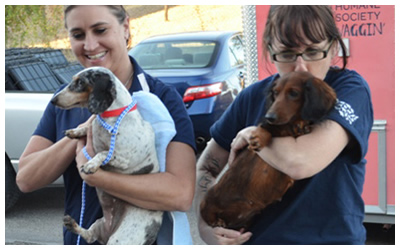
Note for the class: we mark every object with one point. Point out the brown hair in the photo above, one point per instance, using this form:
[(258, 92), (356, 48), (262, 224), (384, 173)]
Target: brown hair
[(117, 10), (290, 24)]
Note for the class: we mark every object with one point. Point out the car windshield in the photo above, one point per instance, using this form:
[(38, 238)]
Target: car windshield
[(175, 55)]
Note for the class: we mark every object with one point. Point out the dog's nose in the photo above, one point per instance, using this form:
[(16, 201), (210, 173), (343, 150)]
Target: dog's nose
[(271, 117)]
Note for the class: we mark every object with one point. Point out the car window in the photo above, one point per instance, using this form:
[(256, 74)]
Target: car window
[(236, 51), (176, 55)]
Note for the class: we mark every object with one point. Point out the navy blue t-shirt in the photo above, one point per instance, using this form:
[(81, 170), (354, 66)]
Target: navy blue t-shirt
[(326, 208), (55, 121)]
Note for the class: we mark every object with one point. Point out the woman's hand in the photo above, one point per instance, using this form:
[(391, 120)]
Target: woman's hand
[(241, 140), (222, 236)]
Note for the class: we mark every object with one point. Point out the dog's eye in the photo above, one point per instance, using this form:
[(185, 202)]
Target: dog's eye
[(78, 86), (293, 94), (275, 92)]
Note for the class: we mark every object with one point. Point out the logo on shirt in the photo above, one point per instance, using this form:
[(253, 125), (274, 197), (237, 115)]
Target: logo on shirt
[(346, 111)]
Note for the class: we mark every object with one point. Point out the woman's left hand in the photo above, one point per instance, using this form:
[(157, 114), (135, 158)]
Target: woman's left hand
[(222, 236)]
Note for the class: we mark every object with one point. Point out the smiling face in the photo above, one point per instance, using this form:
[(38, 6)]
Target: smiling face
[(97, 37)]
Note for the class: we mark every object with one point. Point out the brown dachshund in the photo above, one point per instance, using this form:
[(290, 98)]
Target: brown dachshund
[(294, 103)]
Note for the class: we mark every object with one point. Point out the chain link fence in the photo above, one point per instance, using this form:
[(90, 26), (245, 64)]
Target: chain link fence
[(43, 25)]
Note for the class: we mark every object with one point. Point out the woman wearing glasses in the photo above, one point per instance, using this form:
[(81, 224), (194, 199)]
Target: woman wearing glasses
[(325, 205)]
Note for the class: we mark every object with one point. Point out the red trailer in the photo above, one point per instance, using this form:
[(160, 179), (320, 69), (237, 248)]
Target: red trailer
[(369, 33)]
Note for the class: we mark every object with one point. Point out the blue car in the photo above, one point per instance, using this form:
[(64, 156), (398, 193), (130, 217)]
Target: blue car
[(207, 69)]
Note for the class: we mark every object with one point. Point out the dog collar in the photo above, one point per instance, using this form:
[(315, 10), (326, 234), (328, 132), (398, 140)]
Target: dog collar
[(116, 112)]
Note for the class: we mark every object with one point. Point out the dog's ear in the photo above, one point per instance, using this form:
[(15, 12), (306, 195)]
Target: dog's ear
[(269, 100), (269, 95), (319, 99), (103, 92)]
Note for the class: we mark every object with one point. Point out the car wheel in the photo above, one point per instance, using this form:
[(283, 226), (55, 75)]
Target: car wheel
[(12, 190)]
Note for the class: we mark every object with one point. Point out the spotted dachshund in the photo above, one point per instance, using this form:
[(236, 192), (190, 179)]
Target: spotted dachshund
[(134, 153), (294, 103)]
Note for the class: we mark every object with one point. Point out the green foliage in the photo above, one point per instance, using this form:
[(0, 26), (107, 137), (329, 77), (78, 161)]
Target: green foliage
[(29, 25)]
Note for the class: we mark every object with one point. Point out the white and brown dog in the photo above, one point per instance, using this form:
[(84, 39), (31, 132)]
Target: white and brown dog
[(134, 153)]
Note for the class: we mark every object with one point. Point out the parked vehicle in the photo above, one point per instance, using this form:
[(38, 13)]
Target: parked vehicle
[(207, 69), (31, 77)]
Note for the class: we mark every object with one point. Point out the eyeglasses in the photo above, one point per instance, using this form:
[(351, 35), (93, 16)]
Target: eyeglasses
[(308, 55)]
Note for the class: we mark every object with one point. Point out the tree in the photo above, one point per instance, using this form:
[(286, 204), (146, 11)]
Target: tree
[(27, 25), (166, 7)]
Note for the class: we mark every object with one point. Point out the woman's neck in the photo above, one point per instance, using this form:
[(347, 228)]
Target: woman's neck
[(126, 74)]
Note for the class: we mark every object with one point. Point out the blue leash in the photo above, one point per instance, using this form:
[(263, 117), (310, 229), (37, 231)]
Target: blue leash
[(113, 131), (83, 205)]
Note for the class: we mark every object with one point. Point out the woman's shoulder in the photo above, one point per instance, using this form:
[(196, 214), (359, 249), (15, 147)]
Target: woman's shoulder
[(173, 102), (348, 76)]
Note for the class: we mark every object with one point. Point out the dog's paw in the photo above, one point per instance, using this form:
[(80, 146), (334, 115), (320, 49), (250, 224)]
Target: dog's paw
[(259, 139), (75, 133), (69, 223), (70, 133), (254, 143), (89, 168)]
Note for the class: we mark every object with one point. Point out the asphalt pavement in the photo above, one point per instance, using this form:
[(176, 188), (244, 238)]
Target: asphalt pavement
[(37, 219)]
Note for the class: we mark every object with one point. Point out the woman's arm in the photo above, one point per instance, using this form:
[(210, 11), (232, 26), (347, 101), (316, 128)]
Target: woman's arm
[(209, 166), (304, 156), (171, 190), (43, 161)]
